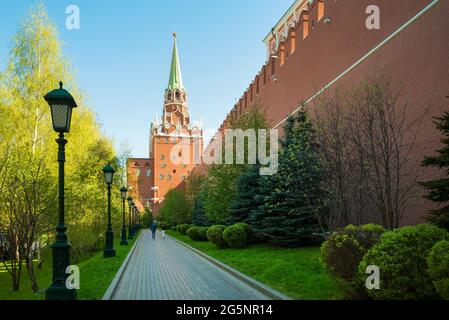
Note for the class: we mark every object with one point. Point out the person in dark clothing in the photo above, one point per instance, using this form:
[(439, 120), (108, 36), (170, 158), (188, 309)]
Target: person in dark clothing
[(153, 228)]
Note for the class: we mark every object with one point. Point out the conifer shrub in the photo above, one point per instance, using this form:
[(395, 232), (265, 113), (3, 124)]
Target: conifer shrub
[(215, 235), (438, 189), (438, 262), (401, 256), (199, 217), (295, 200), (235, 236), (343, 251)]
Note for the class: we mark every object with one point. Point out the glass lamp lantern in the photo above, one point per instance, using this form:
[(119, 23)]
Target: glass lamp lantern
[(61, 104), (123, 191), (108, 174)]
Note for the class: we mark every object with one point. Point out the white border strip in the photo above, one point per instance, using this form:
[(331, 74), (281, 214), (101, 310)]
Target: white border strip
[(380, 45)]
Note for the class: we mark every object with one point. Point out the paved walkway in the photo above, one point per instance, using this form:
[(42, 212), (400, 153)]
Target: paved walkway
[(162, 269)]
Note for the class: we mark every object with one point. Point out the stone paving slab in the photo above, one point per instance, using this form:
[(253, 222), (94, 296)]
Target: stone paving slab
[(162, 269)]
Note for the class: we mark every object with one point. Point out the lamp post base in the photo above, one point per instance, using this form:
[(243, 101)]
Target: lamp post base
[(123, 241), (59, 292), (61, 260), (109, 251)]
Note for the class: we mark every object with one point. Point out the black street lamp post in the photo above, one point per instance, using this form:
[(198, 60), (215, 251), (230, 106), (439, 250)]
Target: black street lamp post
[(123, 241), (133, 212), (135, 219), (61, 104), (130, 231), (109, 251), (138, 221)]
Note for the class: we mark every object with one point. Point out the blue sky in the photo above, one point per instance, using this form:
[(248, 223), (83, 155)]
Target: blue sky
[(122, 54)]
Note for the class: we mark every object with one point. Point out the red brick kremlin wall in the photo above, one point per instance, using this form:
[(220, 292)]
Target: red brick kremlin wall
[(417, 57)]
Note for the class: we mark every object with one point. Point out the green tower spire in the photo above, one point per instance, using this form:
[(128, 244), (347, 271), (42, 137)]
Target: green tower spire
[(175, 81)]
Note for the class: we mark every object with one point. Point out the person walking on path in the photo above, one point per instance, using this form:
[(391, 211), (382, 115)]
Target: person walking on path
[(153, 228)]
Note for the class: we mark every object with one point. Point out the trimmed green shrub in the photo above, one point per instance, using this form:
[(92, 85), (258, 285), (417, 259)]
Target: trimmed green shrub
[(235, 236), (182, 228), (438, 262), (203, 233), (174, 228), (194, 233), (343, 251), (250, 236), (215, 235), (401, 256)]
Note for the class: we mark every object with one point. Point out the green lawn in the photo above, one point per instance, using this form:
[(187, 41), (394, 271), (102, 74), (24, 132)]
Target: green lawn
[(96, 274), (297, 272)]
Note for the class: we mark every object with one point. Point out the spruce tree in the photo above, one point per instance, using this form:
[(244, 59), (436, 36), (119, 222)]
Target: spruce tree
[(259, 217), (199, 218), (245, 201), (439, 189), (292, 214)]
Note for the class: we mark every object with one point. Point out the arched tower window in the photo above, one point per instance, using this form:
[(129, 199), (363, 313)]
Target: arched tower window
[(178, 95)]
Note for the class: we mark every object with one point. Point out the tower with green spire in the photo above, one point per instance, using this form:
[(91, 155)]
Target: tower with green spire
[(175, 146), (176, 111), (175, 81)]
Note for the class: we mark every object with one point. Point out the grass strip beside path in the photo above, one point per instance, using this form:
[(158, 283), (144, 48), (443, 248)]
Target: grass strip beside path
[(96, 274), (295, 272)]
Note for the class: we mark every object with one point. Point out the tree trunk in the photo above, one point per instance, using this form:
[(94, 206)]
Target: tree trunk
[(32, 274), (15, 275), (40, 261)]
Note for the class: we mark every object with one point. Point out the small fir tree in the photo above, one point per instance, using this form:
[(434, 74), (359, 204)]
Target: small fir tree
[(294, 208), (245, 200), (199, 214), (438, 190)]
